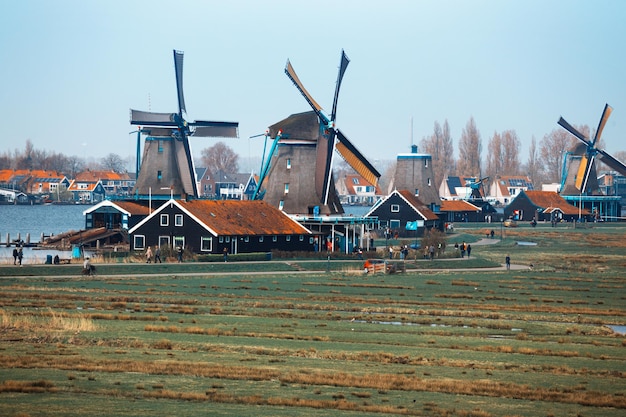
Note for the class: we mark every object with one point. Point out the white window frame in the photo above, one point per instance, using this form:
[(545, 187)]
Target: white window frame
[(395, 208), (179, 241), (139, 238), (286, 188), (394, 224), (288, 163), (164, 220), (203, 240), (178, 220)]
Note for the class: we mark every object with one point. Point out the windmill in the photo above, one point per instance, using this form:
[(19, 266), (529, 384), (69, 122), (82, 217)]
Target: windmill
[(478, 188), (303, 141), (585, 179), (167, 166)]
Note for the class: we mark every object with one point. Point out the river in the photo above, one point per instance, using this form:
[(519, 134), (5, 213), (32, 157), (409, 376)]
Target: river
[(34, 220)]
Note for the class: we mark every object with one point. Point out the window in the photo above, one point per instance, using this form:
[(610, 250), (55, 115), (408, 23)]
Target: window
[(355, 181), (178, 220), (281, 205), (139, 242), (159, 175), (417, 192), (395, 208), (227, 239), (286, 188), (246, 239), (288, 163), (165, 220), (301, 238), (160, 146), (164, 241), (274, 238), (260, 239), (221, 239), (426, 162), (288, 238), (429, 182), (206, 244), (394, 224), (179, 241)]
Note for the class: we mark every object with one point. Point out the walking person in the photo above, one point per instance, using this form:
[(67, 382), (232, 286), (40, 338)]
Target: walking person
[(15, 255), (179, 251), (157, 255), (149, 255), (507, 260), (469, 250), (20, 255), (225, 252)]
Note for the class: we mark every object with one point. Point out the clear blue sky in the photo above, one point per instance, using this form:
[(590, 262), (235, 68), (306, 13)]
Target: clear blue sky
[(72, 69)]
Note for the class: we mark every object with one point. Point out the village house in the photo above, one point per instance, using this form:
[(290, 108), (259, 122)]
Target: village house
[(211, 226), (114, 183), (505, 188), (400, 210), (353, 189), (543, 206)]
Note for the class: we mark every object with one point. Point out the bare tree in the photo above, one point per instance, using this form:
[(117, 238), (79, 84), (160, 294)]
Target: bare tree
[(470, 149), (113, 162), (220, 157), (533, 166), (439, 146), (552, 151), (494, 156), (510, 152)]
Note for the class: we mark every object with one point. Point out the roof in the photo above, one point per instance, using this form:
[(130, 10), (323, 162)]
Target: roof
[(236, 217), (458, 205), (549, 200), (417, 204), (354, 180), (131, 208), (100, 175), (90, 186)]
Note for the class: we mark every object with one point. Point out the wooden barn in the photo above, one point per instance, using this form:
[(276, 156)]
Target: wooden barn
[(543, 206), (210, 226), (400, 208)]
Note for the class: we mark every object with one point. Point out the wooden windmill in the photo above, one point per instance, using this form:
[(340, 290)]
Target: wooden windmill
[(297, 175), (580, 174), (167, 165)]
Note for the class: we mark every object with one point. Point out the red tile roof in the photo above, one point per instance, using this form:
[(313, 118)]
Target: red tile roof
[(457, 205), (551, 200), (237, 217)]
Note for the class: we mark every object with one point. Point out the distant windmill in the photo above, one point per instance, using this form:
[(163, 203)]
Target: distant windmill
[(477, 187), (583, 176), (167, 166), (297, 174)]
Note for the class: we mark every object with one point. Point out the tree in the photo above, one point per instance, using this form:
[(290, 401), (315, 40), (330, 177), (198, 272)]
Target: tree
[(533, 166), (439, 146), (552, 151), (470, 148), (113, 162), (220, 157), (503, 155)]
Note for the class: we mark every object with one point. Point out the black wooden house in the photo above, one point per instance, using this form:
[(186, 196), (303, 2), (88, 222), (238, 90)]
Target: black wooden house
[(210, 226)]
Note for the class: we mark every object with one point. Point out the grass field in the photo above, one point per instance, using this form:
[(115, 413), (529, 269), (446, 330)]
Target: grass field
[(315, 338)]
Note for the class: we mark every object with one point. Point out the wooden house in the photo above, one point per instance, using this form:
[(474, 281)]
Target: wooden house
[(400, 208), (116, 214), (460, 211), (209, 226), (505, 189), (353, 189), (87, 192), (543, 206)]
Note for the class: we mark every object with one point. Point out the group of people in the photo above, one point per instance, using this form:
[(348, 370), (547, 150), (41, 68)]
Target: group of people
[(18, 255), (463, 249), (157, 255)]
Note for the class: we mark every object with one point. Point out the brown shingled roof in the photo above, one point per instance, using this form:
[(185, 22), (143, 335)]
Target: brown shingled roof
[(237, 217), (417, 203), (552, 200), (457, 205)]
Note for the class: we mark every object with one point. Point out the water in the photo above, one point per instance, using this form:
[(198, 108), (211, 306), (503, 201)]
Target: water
[(37, 219)]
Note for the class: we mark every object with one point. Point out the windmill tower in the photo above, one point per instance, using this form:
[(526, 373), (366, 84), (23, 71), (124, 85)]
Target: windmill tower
[(580, 172), (297, 174), (414, 172), (167, 165)]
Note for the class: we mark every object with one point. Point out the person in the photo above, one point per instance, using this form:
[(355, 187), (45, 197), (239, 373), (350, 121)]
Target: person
[(507, 260), (469, 250), (225, 252), (463, 249), (20, 255), (56, 260), (390, 252), (179, 251), (360, 254), (88, 268), (15, 256), (149, 255), (157, 255), (432, 252)]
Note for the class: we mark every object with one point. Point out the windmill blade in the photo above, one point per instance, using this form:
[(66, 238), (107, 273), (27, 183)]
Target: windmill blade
[(324, 165), (296, 81), (146, 118), (342, 69), (605, 116), (610, 161), (356, 160), (584, 169), (573, 131), (178, 66), (205, 128)]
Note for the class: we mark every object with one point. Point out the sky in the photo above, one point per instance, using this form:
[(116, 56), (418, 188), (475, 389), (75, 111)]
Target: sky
[(72, 69)]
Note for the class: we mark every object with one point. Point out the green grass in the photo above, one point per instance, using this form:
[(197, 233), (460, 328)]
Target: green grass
[(438, 340)]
